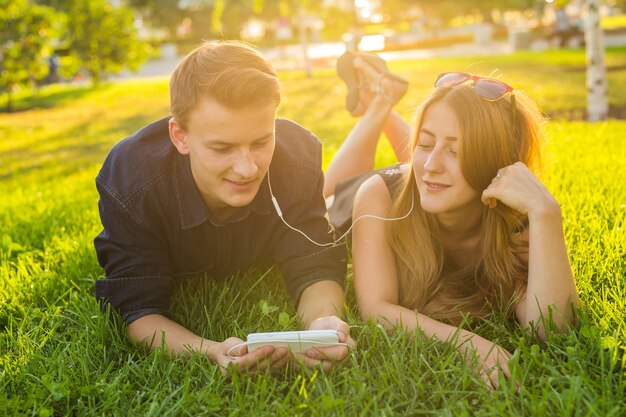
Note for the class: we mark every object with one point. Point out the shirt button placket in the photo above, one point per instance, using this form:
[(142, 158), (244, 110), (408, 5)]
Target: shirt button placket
[(224, 249)]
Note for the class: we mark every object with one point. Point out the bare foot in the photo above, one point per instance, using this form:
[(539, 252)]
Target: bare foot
[(379, 80)]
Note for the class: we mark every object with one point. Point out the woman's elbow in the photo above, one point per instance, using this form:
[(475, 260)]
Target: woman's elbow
[(369, 310), (555, 319)]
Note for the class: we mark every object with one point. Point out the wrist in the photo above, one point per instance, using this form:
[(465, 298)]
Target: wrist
[(206, 347), (549, 211)]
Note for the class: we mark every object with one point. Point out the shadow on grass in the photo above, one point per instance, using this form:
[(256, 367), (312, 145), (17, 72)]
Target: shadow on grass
[(77, 152), (47, 97)]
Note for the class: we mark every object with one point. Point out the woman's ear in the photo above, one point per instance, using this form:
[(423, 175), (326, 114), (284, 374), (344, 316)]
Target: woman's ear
[(178, 136)]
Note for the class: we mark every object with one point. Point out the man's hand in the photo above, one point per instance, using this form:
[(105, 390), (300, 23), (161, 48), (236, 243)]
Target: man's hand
[(327, 357), (154, 330), (240, 360)]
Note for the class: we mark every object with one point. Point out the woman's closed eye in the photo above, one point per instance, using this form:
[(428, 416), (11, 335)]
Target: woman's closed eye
[(425, 143)]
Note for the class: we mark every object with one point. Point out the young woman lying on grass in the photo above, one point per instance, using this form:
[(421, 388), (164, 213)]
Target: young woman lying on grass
[(477, 230)]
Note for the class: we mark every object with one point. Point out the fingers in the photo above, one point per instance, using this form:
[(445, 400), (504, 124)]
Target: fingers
[(236, 351), (489, 381), (518, 188), (326, 357), (258, 360), (489, 196), (494, 191), (281, 361), (488, 200), (331, 353), (309, 362), (241, 360), (343, 332), (491, 374), (491, 377), (333, 323), (496, 368), (250, 360), (278, 359), (505, 370)]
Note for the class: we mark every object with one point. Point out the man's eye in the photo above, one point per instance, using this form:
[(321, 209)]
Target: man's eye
[(261, 144), (220, 150)]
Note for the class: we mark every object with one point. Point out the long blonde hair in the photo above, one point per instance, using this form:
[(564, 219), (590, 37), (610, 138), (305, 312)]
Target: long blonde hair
[(492, 134)]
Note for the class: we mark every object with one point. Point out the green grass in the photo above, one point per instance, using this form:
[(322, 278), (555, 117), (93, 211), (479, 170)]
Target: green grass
[(613, 22), (60, 356)]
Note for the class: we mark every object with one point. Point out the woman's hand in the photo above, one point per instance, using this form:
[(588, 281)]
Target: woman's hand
[(238, 359), (551, 291), (490, 359), (517, 187)]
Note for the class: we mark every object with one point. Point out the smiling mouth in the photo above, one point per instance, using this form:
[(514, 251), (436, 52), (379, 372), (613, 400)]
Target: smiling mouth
[(241, 183), (435, 185)]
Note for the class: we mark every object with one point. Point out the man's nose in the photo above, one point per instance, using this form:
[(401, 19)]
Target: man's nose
[(245, 165)]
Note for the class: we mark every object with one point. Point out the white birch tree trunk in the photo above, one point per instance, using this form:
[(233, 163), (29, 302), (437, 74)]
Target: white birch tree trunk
[(597, 86)]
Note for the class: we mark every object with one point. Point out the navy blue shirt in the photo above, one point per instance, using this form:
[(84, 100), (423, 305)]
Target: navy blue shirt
[(157, 229)]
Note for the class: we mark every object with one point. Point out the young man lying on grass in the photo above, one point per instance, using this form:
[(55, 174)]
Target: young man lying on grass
[(192, 194)]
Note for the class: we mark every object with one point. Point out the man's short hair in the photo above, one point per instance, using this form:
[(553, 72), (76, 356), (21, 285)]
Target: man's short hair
[(232, 73)]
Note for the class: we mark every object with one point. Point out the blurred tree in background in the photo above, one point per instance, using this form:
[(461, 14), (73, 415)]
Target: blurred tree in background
[(45, 40), (449, 9), (26, 37), (103, 39), (161, 14), (98, 38)]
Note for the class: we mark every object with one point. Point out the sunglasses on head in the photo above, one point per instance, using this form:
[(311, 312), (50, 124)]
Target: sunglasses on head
[(487, 88)]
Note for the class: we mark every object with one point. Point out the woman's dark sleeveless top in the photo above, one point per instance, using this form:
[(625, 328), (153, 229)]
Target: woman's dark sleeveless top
[(340, 213)]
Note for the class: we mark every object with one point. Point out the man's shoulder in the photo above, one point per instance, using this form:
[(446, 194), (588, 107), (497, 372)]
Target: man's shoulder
[(138, 160), (296, 146), (297, 163)]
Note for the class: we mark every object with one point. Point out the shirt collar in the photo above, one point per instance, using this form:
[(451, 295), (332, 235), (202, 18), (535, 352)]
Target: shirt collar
[(192, 208)]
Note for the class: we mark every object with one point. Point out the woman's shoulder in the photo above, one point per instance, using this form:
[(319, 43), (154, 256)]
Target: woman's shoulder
[(394, 173), (394, 178), (376, 194)]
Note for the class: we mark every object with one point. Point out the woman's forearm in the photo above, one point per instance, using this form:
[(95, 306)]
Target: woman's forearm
[(392, 315), (551, 291)]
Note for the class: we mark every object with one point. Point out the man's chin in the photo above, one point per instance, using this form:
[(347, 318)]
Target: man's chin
[(242, 199)]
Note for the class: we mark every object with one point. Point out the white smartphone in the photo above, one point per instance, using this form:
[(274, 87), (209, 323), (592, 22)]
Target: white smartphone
[(295, 341)]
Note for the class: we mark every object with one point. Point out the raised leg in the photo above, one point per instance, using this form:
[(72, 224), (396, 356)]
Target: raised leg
[(358, 152), (399, 134)]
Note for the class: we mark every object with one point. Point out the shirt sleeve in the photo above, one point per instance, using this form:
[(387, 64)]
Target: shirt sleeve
[(302, 262), (136, 262)]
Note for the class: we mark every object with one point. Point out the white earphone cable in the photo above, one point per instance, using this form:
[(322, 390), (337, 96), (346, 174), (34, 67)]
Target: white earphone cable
[(336, 242)]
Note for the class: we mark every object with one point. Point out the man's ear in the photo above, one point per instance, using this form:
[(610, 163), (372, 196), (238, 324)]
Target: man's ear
[(178, 136)]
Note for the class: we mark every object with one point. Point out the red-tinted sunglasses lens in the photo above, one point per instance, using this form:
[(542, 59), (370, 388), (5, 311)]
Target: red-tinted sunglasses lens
[(491, 89), (450, 79)]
